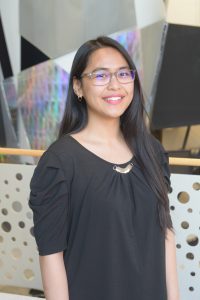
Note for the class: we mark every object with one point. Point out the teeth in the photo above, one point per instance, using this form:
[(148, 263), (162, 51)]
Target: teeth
[(114, 98)]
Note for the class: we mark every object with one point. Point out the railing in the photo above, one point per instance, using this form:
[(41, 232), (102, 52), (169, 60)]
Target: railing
[(21, 152), (177, 161), (18, 249)]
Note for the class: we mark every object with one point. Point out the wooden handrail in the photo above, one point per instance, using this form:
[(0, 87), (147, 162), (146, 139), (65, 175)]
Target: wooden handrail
[(177, 161), (21, 152), (182, 161)]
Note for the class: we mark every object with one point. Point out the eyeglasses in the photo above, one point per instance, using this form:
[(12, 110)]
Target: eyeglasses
[(103, 77)]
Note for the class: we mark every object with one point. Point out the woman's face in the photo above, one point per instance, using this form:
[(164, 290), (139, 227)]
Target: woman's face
[(110, 100)]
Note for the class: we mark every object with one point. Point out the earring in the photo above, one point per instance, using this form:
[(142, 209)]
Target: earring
[(79, 98)]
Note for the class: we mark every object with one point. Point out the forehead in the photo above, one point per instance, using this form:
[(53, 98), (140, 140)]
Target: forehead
[(106, 58)]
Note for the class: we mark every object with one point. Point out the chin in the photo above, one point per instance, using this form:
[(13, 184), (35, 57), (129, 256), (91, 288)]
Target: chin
[(114, 115)]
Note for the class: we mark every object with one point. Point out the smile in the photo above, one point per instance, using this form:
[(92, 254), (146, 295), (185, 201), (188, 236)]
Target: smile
[(114, 99)]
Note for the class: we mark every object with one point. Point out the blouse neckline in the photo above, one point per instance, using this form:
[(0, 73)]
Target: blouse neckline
[(98, 157)]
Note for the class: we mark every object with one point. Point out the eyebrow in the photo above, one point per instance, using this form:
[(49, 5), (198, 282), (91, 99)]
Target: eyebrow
[(106, 69)]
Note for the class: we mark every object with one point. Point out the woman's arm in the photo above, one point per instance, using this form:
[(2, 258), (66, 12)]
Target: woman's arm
[(54, 277), (171, 270)]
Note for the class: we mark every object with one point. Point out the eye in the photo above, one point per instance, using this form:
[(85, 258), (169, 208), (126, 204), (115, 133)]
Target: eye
[(124, 73), (100, 75)]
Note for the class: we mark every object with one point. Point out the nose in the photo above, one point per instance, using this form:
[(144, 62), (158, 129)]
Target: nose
[(113, 83)]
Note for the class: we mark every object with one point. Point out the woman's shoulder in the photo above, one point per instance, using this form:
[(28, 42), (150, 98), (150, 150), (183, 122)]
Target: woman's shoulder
[(163, 159), (62, 145), (58, 155), (159, 150)]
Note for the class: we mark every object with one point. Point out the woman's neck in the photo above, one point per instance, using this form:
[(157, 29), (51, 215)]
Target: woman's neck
[(103, 130)]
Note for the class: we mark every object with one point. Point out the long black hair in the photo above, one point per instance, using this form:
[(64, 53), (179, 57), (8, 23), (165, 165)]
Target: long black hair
[(132, 124)]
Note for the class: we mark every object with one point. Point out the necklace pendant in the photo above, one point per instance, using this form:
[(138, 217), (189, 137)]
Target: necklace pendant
[(123, 170)]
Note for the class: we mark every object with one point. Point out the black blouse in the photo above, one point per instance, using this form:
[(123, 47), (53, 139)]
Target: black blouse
[(105, 222)]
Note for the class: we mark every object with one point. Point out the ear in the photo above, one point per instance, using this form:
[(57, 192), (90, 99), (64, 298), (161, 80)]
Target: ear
[(77, 87)]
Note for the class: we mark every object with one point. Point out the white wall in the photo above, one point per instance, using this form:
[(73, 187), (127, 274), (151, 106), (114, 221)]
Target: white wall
[(149, 11), (185, 12), (58, 27), (9, 10)]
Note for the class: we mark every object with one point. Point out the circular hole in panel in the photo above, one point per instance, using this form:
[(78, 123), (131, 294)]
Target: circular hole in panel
[(6, 226), (16, 205), (178, 246), (29, 215), (190, 210), (32, 231), (7, 196), (17, 189), (185, 225), (13, 239), (183, 197), (190, 255), (30, 259), (4, 211), (192, 240), (192, 274), (21, 224), (1, 239), (19, 176), (1, 263), (8, 276), (6, 181), (16, 253), (196, 186), (191, 288), (172, 207), (29, 274), (25, 243)]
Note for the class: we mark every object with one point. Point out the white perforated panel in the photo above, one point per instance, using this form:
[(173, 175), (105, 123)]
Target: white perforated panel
[(185, 212), (19, 265)]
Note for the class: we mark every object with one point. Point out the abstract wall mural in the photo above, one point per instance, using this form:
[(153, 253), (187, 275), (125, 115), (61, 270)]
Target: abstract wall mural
[(131, 40), (36, 97), (41, 97), (39, 101)]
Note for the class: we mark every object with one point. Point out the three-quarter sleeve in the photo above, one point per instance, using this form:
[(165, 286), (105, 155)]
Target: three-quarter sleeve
[(49, 199)]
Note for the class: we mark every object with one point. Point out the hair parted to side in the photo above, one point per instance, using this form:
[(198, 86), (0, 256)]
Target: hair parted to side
[(144, 146)]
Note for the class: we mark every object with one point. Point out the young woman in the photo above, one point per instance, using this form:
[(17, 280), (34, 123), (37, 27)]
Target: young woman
[(99, 193)]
